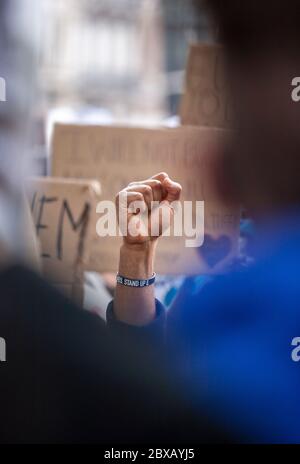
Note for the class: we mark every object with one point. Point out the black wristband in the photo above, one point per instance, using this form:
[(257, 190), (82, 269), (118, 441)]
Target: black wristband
[(135, 282)]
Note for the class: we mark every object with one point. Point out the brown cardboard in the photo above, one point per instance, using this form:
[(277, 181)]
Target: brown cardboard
[(205, 101), (62, 212), (117, 156)]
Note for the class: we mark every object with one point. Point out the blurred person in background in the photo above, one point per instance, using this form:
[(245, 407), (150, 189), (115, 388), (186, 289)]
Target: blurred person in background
[(233, 341), (17, 60), (64, 379), (54, 352)]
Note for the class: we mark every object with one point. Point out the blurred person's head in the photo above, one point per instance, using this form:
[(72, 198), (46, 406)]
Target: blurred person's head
[(261, 49), (17, 34)]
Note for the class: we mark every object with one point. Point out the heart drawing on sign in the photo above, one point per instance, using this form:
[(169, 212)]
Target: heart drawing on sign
[(214, 250)]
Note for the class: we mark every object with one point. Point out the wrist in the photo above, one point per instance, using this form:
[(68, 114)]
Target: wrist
[(137, 260), (141, 248)]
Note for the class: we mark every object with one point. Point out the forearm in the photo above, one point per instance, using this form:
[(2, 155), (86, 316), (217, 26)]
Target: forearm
[(136, 306)]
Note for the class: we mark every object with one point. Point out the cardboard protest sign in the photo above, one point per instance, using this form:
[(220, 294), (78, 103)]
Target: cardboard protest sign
[(206, 100), (119, 155), (62, 212), (32, 249)]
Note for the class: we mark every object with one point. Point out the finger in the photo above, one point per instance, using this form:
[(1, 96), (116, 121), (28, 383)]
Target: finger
[(125, 201), (158, 191), (125, 197), (162, 218), (173, 189), (161, 176), (144, 189)]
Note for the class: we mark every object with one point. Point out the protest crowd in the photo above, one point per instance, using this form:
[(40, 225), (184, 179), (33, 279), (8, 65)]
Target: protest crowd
[(149, 223)]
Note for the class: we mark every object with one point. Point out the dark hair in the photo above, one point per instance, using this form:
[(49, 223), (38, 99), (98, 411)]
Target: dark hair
[(244, 25), (261, 39)]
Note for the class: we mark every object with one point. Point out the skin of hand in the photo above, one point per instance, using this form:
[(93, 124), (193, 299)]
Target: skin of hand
[(136, 306)]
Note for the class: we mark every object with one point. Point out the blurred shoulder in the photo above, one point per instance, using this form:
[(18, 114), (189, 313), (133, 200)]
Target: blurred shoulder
[(30, 304)]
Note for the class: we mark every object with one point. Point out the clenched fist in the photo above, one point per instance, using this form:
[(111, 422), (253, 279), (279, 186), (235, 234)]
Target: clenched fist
[(146, 208)]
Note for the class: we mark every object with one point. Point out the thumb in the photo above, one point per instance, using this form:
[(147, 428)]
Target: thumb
[(173, 189)]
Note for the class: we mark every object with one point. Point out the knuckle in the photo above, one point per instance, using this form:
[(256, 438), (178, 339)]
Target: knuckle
[(139, 196), (156, 183), (157, 188), (146, 189), (131, 184), (163, 174)]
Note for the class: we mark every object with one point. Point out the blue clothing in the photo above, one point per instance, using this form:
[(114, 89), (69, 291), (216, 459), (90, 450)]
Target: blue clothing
[(232, 339)]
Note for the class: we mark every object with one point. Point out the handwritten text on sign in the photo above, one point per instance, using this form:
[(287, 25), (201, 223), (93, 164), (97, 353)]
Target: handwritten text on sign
[(61, 210)]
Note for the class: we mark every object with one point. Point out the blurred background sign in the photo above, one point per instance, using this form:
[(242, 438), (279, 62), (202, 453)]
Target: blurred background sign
[(62, 213), (116, 155), (104, 61), (206, 100)]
